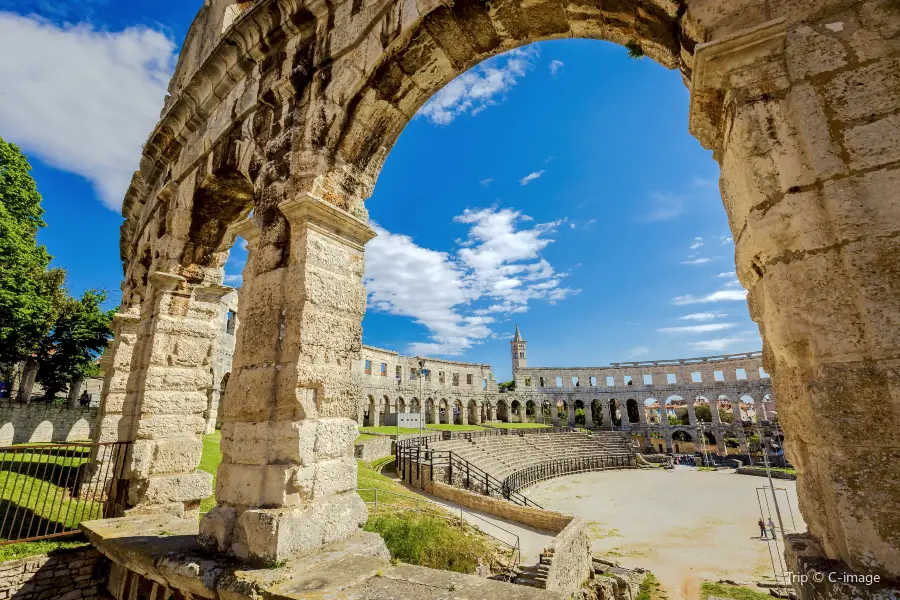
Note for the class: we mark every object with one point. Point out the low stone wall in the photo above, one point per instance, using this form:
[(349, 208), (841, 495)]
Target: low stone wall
[(79, 573), (37, 422), (535, 517), (570, 558), (761, 472), (374, 449)]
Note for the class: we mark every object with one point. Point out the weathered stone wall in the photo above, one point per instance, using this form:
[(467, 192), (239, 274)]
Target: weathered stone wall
[(373, 449), (570, 564), (24, 423), (75, 574), (539, 518)]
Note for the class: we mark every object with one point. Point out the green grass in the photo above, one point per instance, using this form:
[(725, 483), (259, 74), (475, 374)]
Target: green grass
[(36, 492), (650, 589), (388, 430), (362, 439), (734, 592), (26, 549), (368, 478), (445, 427), (518, 425), (431, 541), (209, 462)]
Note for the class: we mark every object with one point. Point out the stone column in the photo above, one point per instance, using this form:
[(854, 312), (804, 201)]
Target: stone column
[(521, 412), (167, 395), (623, 409), (692, 417), (760, 409), (287, 482), (554, 413), (434, 412), (607, 414), (26, 383), (212, 407), (803, 119), (475, 417), (75, 391), (463, 415), (714, 411), (589, 414), (736, 411)]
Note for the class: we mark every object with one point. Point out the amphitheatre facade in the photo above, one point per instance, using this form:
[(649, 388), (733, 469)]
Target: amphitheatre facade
[(287, 110)]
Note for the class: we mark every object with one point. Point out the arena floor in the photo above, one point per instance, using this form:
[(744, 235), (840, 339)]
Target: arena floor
[(685, 525)]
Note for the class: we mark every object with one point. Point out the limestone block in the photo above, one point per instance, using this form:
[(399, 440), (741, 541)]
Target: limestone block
[(864, 205), (216, 528), (164, 426), (874, 144), (173, 402), (807, 111), (166, 456), (328, 477), (257, 485), (866, 91), (277, 534), (810, 53), (171, 488), (178, 378), (334, 437)]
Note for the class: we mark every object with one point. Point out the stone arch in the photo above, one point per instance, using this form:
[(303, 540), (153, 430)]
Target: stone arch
[(42, 433), (472, 412), (401, 404), (514, 407), (430, 410), (615, 412), (444, 412), (80, 431), (371, 419), (384, 410), (458, 411), (580, 419), (634, 411), (7, 434), (502, 410), (414, 405), (654, 415)]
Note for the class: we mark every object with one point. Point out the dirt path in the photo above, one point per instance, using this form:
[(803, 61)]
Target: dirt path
[(684, 525)]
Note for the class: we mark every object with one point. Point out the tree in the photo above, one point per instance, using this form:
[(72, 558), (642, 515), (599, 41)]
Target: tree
[(703, 413), (507, 386), (79, 334), (29, 293)]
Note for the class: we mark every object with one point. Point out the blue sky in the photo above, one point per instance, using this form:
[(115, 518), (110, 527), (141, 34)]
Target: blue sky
[(555, 187)]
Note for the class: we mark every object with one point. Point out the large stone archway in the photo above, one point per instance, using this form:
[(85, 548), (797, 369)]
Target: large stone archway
[(290, 110)]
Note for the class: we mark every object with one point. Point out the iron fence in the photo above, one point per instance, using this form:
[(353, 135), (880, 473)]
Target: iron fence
[(564, 466), (47, 490)]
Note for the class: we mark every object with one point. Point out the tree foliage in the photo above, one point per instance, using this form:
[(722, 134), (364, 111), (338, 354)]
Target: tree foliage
[(78, 336), (29, 293), (507, 386)]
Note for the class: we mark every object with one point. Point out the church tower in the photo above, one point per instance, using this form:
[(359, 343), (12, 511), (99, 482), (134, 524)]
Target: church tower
[(519, 360)]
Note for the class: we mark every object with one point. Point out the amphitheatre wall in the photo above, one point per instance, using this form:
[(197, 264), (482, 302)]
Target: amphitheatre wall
[(39, 423)]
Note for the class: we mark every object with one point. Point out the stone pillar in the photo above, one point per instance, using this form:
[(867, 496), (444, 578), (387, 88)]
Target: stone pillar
[(463, 415), (692, 417), (570, 409), (714, 411), (26, 383), (554, 413), (172, 374), (475, 416), (434, 412), (736, 411), (287, 482), (589, 414), (642, 411), (75, 391), (212, 407), (623, 409), (802, 117), (760, 409), (742, 440), (607, 414), (521, 412)]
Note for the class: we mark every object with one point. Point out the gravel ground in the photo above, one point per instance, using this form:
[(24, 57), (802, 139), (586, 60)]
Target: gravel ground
[(685, 525)]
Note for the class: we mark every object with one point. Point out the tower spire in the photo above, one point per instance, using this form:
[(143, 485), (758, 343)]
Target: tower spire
[(518, 337)]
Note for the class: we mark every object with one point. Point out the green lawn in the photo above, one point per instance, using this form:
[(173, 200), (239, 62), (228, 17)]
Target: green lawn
[(734, 592), (518, 425), (444, 427), (25, 549), (363, 438), (209, 462), (387, 430)]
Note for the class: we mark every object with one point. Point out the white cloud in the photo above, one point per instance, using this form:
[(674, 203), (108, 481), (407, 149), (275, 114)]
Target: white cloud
[(726, 240), (555, 66), (80, 99), (457, 296), (638, 351), (728, 274), (486, 181), (703, 316), (719, 296), (733, 285), (480, 87), (531, 177), (722, 343), (698, 242), (702, 182), (696, 261), (234, 279), (664, 206), (706, 328)]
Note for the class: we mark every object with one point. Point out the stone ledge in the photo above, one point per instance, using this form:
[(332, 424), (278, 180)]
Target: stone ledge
[(164, 550)]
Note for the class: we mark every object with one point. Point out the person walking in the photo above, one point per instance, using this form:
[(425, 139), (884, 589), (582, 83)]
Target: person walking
[(762, 529), (772, 528), (85, 399)]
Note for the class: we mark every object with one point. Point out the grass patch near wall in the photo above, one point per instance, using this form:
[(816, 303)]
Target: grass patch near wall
[(388, 430), (734, 592), (446, 427), (431, 541), (518, 425), (26, 549), (362, 439), (209, 462), (650, 589)]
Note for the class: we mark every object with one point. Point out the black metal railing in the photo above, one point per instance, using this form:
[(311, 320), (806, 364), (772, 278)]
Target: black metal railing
[(565, 466), (47, 490)]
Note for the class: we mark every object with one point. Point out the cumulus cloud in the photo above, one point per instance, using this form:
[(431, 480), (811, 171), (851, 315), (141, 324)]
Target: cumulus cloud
[(725, 239), (719, 296), (706, 328), (531, 177), (698, 242), (480, 87), (234, 279), (486, 181), (728, 274), (555, 66), (639, 351), (495, 273), (703, 316), (697, 261), (80, 99)]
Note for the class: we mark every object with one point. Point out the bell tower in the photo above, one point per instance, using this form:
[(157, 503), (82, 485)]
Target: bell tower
[(519, 360)]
